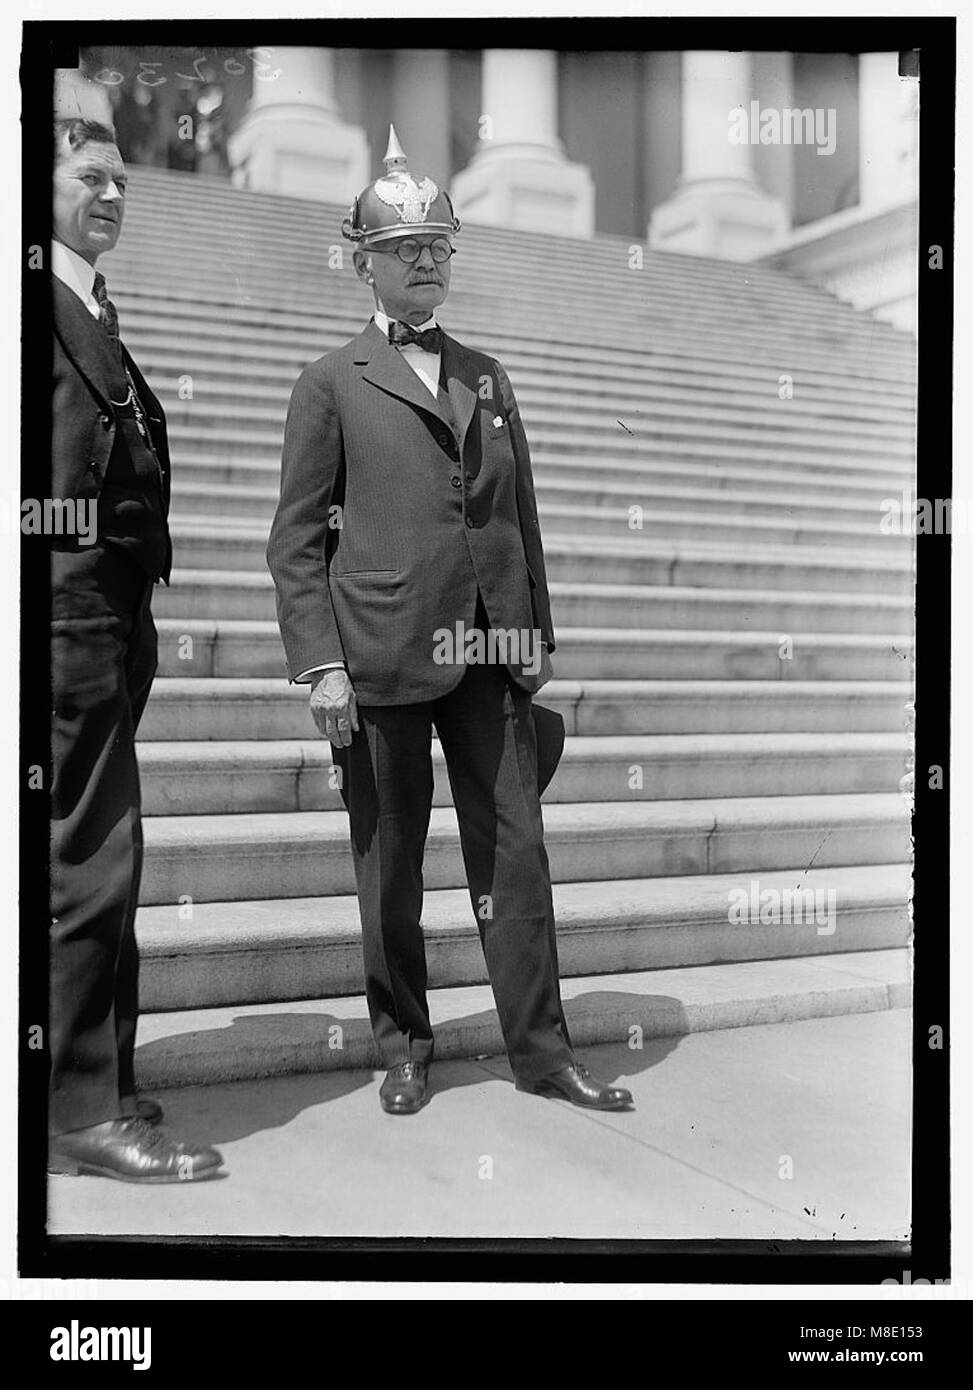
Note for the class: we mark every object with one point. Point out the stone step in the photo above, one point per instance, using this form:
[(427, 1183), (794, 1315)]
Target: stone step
[(228, 435), (235, 376), (240, 485), (477, 319), (206, 709), (205, 492), (258, 217), (296, 288), (251, 399), (298, 282), (197, 1047), (223, 647), (202, 542), (260, 952), (263, 350), (243, 776), (737, 493), (306, 853), (688, 602), (549, 424), (302, 264)]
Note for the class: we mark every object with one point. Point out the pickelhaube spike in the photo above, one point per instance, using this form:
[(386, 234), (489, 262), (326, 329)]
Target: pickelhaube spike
[(398, 204), (395, 154)]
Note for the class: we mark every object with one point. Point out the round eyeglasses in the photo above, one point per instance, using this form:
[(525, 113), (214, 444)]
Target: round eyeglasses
[(409, 250)]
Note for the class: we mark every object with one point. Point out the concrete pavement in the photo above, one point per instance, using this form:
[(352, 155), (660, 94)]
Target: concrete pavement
[(795, 1130)]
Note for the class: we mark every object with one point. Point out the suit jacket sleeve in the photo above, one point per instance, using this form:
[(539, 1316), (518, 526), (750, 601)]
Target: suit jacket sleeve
[(297, 549), (527, 508)]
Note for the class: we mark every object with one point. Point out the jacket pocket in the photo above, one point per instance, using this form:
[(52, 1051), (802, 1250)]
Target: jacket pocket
[(365, 574)]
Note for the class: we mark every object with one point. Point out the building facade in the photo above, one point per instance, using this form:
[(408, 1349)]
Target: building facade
[(807, 160)]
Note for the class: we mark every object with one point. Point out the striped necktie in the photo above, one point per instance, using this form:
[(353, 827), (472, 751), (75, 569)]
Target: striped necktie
[(108, 318)]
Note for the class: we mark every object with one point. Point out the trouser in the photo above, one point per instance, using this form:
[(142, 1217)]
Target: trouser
[(103, 659), (486, 731)]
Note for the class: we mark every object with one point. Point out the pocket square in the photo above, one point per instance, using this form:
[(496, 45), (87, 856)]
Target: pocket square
[(497, 421)]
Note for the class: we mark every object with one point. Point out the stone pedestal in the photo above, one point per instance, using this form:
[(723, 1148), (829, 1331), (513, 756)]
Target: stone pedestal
[(719, 208), (866, 255), (520, 176), (293, 140)]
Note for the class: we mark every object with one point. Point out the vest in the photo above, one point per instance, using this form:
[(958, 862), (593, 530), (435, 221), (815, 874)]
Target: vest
[(480, 618), (130, 510)]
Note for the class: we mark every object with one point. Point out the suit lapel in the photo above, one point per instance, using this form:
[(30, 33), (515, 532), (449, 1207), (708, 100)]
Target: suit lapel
[(86, 343), (459, 371), (386, 369)]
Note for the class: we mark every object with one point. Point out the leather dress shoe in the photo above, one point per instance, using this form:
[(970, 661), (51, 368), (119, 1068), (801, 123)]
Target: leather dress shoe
[(148, 1110), (576, 1084), (405, 1088), (132, 1151)]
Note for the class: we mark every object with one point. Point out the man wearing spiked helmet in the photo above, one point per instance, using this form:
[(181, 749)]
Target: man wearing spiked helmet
[(407, 515)]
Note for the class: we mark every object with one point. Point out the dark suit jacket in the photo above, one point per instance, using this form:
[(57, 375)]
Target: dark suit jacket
[(424, 521), (87, 378)]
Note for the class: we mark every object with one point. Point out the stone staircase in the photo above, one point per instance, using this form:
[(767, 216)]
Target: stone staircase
[(734, 671)]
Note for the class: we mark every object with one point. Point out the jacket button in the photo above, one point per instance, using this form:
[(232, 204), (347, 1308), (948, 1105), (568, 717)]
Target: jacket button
[(443, 439), (470, 522), (105, 421), (455, 482)]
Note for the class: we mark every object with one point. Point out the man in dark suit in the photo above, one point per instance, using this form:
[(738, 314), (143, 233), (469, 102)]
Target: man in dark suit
[(109, 451), (406, 549)]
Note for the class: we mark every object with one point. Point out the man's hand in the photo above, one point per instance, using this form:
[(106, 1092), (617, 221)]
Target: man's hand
[(334, 707)]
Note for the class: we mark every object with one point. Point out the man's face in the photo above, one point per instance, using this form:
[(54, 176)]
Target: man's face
[(89, 198), (406, 292)]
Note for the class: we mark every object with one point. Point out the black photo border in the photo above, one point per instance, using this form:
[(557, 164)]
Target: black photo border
[(47, 45)]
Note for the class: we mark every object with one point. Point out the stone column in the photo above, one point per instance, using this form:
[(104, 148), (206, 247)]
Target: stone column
[(421, 110), (520, 176), (293, 140), (719, 208), (888, 132)]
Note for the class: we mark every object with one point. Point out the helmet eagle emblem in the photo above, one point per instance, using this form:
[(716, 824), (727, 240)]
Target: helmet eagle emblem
[(411, 200)]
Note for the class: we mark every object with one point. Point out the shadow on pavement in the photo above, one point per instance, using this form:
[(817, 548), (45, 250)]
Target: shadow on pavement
[(294, 1049)]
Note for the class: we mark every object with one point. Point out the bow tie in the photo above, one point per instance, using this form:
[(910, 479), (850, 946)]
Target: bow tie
[(429, 339)]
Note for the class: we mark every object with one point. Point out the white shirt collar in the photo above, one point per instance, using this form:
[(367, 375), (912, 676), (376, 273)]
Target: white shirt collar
[(382, 320), (75, 272)]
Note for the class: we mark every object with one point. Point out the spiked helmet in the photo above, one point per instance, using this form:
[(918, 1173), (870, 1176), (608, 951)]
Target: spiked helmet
[(398, 203)]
